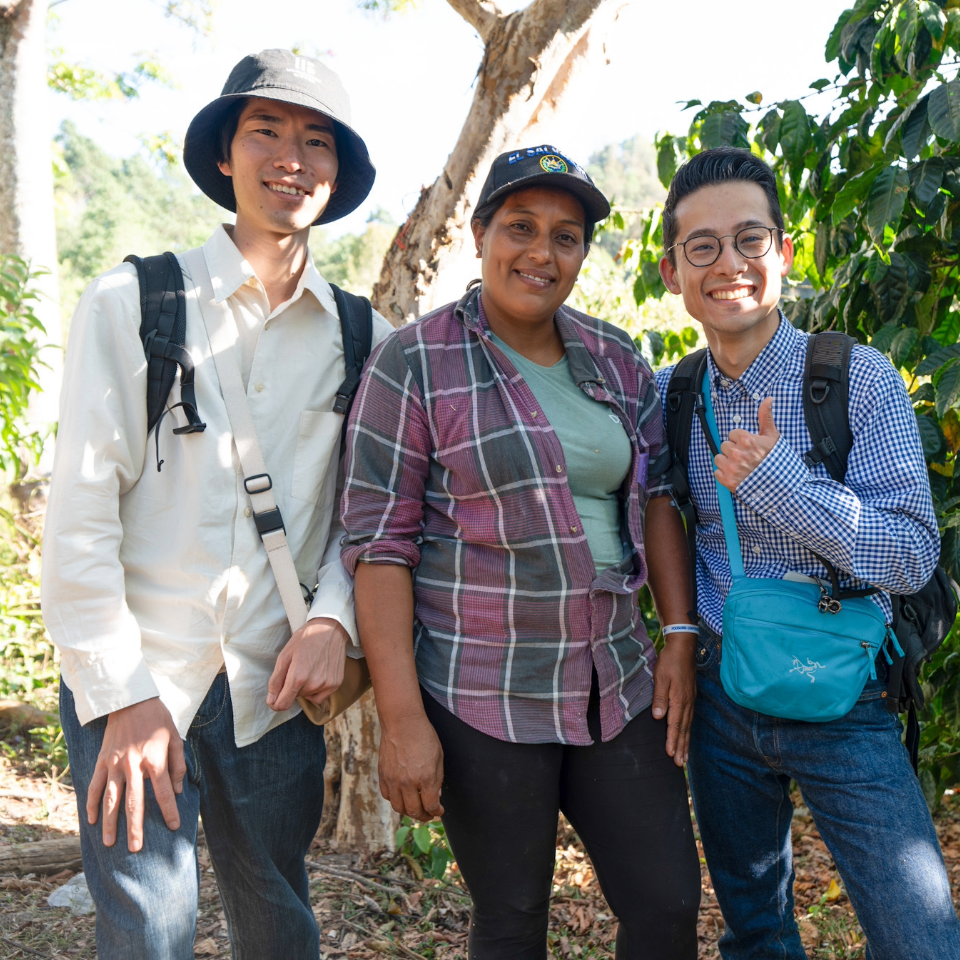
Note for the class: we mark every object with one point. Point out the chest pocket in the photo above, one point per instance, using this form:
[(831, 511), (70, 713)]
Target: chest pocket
[(317, 455)]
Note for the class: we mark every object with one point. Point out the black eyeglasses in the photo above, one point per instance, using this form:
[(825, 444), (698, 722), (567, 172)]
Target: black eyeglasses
[(751, 242)]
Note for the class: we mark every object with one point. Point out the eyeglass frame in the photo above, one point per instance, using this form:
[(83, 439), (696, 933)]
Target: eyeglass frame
[(701, 236)]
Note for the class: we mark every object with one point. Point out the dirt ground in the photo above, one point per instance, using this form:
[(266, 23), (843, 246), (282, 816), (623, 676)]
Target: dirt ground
[(376, 906)]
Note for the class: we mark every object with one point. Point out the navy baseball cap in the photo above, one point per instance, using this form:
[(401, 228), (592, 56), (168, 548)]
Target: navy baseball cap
[(542, 166), (289, 78)]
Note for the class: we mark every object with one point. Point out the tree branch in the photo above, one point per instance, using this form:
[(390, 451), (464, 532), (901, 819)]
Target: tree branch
[(482, 15)]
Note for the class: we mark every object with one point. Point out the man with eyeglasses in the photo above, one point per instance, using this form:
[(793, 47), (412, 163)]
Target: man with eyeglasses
[(726, 253)]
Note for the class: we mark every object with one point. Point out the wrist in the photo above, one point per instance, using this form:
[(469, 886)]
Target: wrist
[(679, 629)]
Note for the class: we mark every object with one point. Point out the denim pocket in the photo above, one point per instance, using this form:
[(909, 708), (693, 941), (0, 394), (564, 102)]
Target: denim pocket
[(708, 651)]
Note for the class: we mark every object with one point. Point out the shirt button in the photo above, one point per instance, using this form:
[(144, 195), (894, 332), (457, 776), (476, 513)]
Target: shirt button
[(259, 387), (756, 396), (756, 550), (573, 529), (736, 418), (226, 638), (559, 468), (534, 414), (247, 512)]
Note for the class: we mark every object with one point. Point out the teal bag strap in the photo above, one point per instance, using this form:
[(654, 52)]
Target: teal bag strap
[(727, 514)]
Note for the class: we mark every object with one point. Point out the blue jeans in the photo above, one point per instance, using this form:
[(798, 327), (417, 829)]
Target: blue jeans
[(261, 807), (856, 779)]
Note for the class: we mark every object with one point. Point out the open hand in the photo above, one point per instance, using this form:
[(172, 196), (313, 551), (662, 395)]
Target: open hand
[(674, 690), (741, 453), (140, 742)]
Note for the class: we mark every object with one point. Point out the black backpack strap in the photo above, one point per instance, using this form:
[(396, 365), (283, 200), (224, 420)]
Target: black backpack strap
[(682, 393), (356, 328), (163, 328), (826, 389)]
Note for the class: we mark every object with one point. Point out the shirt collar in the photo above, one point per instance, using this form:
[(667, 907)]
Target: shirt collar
[(469, 310), (229, 270), (758, 378)]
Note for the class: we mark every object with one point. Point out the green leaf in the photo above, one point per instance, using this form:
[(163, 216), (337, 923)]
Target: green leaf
[(907, 27), (882, 339), (891, 290), (885, 203), (948, 389), (755, 97), (935, 361), (943, 110), (422, 838), (439, 858), (769, 128), (925, 182), (667, 160), (931, 437), (821, 247), (875, 271), (915, 129), (903, 343), (401, 836), (853, 192), (794, 130), (832, 50), (932, 18), (724, 129), (818, 85)]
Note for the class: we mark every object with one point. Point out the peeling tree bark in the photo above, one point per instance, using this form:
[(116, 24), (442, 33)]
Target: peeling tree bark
[(27, 226), (529, 59)]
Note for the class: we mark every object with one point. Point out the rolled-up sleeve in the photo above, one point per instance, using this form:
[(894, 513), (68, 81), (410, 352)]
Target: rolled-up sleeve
[(388, 461)]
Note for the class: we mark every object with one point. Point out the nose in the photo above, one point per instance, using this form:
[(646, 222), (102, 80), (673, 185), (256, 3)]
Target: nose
[(540, 248), (731, 261), (290, 155)]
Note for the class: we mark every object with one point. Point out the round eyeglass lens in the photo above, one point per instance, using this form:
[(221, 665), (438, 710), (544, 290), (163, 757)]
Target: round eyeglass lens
[(702, 251), (754, 242)]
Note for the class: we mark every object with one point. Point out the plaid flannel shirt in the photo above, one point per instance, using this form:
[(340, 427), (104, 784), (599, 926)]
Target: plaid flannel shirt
[(453, 470), (878, 528)]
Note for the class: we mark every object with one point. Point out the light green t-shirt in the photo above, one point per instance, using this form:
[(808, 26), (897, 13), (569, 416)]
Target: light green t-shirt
[(595, 446)]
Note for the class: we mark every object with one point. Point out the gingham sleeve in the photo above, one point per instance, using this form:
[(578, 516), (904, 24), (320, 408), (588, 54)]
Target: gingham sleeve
[(388, 457), (880, 525)]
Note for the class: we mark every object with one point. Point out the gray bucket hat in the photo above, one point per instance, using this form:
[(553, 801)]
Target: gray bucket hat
[(284, 76)]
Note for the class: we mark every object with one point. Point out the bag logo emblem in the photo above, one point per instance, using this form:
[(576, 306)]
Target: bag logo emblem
[(806, 670), (553, 164)]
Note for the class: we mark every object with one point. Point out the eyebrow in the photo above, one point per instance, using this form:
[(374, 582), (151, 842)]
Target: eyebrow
[(533, 213), (269, 118), (713, 231)]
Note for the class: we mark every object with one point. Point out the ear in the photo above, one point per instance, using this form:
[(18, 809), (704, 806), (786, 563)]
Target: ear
[(478, 231), (224, 167), (668, 273), (786, 254)]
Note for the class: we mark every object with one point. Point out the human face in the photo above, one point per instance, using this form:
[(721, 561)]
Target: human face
[(735, 298), (531, 250), (283, 161)]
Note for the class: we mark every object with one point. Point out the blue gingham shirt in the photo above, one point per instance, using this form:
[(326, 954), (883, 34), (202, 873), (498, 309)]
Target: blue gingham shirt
[(878, 528)]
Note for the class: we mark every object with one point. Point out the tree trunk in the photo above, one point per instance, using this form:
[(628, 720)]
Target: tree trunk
[(27, 226), (529, 59)]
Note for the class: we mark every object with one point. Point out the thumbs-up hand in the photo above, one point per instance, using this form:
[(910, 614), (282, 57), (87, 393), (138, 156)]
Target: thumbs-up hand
[(741, 453)]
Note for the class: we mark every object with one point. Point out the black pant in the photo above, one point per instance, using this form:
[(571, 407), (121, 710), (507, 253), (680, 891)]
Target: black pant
[(628, 803)]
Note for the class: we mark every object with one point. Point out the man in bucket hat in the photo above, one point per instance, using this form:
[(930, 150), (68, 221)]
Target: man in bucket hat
[(178, 666)]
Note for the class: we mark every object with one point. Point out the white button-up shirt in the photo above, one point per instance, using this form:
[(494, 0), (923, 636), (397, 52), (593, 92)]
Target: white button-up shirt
[(154, 580)]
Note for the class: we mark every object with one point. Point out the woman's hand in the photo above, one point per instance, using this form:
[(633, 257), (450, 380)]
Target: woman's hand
[(411, 767), (674, 690)]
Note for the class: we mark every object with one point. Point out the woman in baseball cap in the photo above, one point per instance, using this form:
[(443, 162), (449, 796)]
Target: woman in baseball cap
[(283, 76), (500, 447)]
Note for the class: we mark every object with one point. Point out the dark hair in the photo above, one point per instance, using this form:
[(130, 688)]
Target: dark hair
[(717, 166), (229, 122), (483, 215)]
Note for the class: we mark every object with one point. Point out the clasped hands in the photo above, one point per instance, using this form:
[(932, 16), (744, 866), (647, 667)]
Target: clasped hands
[(141, 741), (741, 453)]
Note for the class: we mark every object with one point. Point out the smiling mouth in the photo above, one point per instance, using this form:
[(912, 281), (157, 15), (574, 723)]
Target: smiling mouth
[(289, 190), (739, 294), (546, 281)]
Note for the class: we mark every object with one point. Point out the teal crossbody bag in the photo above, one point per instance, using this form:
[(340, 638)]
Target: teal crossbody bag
[(791, 649)]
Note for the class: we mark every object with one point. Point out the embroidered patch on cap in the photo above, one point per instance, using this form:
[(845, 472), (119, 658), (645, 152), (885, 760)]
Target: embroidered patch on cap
[(553, 164)]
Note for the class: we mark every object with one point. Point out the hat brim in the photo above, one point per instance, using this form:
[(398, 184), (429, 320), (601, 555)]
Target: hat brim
[(201, 150), (595, 204)]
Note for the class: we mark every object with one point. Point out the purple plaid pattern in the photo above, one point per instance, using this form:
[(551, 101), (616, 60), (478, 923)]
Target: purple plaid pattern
[(453, 469)]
